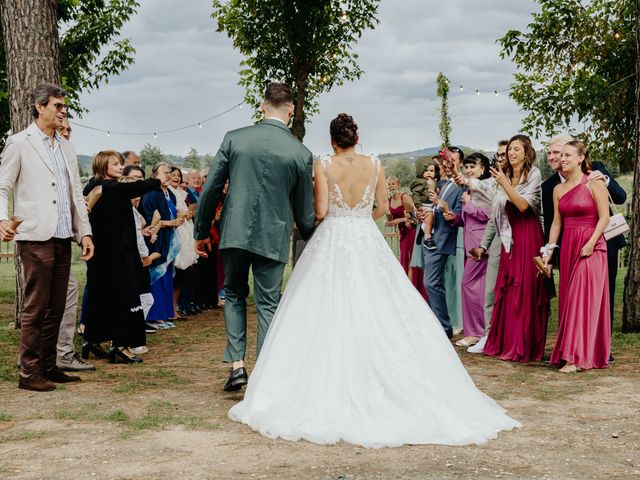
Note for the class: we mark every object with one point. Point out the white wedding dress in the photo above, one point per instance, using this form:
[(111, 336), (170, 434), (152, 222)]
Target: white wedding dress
[(355, 354)]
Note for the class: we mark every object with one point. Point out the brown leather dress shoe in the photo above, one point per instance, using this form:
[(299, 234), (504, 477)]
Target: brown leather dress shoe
[(56, 375), (35, 383)]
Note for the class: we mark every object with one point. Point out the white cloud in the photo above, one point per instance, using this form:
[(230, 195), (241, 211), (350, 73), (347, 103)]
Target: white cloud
[(185, 72)]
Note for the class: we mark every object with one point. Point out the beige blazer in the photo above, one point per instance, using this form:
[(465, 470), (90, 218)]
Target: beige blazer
[(26, 170)]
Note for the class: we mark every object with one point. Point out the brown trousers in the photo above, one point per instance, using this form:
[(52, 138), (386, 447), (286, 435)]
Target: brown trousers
[(45, 268)]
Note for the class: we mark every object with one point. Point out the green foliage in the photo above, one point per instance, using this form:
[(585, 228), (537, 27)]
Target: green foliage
[(192, 160), (305, 43), (577, 63), (149, 156), (87, 27), (401, 168), (445, 120)]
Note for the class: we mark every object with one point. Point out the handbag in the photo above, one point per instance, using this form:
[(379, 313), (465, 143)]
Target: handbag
[(617, 224)]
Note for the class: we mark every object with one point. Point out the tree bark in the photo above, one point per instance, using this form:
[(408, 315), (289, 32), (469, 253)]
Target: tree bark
[(631, 312), (30, 35), (298, 128)]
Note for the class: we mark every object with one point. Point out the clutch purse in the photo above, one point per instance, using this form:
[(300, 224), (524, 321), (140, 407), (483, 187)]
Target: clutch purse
[(617, 226), (94, 196), (541, 267)]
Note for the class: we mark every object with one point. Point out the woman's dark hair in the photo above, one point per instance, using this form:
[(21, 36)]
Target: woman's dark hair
[(177, 169), (344, 131), (478, 157), (129, 168), (529, 157), (582, 150)]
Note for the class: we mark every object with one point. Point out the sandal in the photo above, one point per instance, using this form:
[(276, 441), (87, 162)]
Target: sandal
[(570, 369), (467, 341)]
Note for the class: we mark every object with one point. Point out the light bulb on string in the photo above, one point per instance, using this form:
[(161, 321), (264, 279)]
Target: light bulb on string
[(496, 92), (477, 92), (108, 133), (617, 35), (155, 135), (461, 88), (344, 18), (199, 125)]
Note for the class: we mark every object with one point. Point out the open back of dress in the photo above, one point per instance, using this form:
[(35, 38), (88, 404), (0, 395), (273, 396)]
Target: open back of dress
[(352, 183)]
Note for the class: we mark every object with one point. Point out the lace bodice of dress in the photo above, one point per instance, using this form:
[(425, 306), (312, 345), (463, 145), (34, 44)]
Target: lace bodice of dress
[(338, 207)]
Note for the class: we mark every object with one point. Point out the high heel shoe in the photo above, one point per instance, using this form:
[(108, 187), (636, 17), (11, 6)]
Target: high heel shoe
[(95, 349), (116, 355)]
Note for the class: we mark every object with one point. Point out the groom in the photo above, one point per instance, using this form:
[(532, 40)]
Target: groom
[(270, 187)]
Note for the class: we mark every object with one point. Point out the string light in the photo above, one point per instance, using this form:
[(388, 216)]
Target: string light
[(344, 18), (158, 132), (478, 91)]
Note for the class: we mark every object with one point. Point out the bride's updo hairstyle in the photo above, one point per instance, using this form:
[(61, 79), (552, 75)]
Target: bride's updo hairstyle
[(344, 131)]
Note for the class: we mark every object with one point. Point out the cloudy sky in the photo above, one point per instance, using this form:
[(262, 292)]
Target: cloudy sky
[(186, 72)]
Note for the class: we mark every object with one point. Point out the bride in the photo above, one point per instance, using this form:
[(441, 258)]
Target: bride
[(354, 353)]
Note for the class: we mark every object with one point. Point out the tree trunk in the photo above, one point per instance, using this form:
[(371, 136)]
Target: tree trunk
[(298, 128), (631, 312), (30, 35)]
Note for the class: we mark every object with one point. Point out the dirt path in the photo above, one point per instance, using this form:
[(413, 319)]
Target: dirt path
[(166, 419)]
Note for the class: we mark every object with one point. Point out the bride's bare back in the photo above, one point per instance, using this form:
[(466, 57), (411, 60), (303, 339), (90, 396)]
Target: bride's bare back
[(349, 180)]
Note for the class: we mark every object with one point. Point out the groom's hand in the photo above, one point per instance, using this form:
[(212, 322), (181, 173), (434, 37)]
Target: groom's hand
[(203, 246)]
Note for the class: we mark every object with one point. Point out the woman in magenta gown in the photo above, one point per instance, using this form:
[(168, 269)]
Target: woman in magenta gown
[(582, 213), (396, 217), (521, 311)]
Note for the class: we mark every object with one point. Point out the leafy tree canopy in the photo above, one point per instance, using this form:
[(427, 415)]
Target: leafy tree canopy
[(88, 54), (305, 43), (192, 160), (577, 64)]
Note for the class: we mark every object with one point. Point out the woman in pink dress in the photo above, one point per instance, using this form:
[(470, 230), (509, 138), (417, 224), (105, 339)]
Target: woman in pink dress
[(582, 213), (521, 311), (475, 215), (400, 206)]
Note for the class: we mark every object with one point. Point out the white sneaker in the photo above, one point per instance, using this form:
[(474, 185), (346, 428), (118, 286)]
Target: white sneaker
[(478, 347), (138, 350)]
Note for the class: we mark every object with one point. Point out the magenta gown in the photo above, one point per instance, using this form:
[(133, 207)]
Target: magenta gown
[(407, 239), (584, 328), (519, 322)]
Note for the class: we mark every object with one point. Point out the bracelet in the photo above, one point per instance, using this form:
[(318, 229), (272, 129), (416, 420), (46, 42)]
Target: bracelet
[(548, 249)]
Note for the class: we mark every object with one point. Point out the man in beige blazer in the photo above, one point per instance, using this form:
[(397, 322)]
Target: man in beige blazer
[(41, 169)]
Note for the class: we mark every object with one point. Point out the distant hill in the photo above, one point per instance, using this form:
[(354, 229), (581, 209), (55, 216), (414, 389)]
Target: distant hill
[(428, 151)]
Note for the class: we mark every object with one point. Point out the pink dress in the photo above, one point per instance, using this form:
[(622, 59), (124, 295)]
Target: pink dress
[(519, 322), (584, 328), (407, 240), (407, 235), (474, 277)]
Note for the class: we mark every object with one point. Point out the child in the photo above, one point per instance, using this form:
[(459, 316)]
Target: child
[(421, 188)]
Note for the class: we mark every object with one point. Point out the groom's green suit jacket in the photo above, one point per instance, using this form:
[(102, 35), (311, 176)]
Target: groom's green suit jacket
[(270, 187)]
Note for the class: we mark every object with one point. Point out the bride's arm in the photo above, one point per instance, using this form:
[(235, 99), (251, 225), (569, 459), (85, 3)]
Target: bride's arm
[(382, 198), (320, 191)]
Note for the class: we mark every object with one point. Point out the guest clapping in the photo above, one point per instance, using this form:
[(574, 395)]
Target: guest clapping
[(519, 321), (581, 212)]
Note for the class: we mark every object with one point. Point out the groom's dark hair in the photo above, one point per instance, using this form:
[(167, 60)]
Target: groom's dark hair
[(278, 94)]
